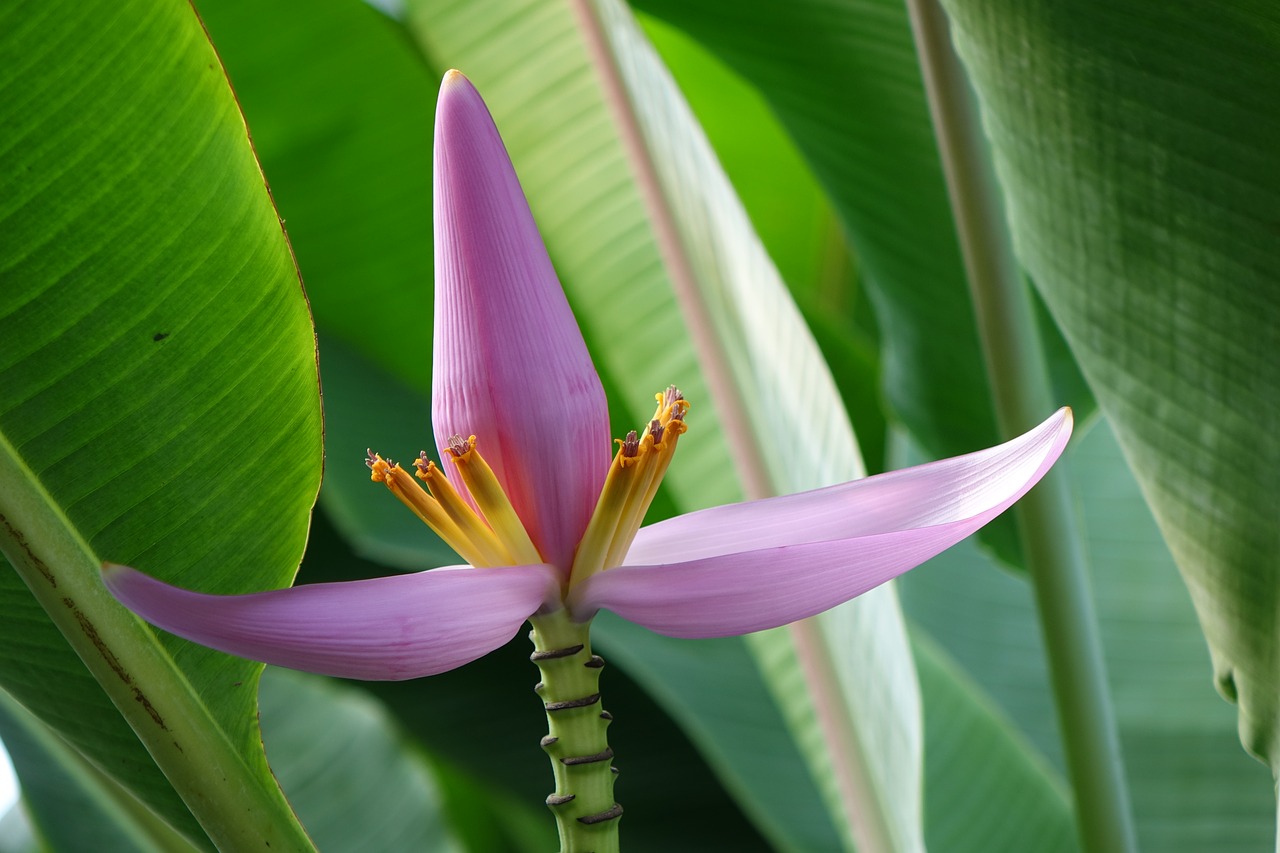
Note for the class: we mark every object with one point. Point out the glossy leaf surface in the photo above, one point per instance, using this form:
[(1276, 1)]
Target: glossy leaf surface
[(160, 400)]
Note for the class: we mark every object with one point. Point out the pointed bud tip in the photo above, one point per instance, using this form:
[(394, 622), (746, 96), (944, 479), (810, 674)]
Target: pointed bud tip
[(458, 97), (453, 77)]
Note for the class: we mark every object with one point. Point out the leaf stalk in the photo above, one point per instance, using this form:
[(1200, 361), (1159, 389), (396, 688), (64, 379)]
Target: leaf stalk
[(239, 807), (1020, 387)]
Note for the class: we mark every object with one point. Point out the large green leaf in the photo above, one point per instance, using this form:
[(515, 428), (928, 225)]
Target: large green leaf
[(860, 640), (341, 108), (792, 217), (160, 402), (1138, 156), (1193, 788)]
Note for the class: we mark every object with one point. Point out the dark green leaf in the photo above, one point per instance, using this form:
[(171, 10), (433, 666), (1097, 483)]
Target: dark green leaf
[(1138, 155), (355, 780)]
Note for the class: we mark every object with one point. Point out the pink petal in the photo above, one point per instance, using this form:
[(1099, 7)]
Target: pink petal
[(922, 511), (931, 494), (385, 629), (510, 364)]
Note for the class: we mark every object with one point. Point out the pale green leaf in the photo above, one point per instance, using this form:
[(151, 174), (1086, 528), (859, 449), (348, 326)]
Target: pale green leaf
[(767, 368), (17, 835)]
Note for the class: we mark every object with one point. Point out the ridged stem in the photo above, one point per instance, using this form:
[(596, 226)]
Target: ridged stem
[(1019, 380), (586, 814)]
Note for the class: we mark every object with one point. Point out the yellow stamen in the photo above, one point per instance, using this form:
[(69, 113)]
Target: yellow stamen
[(491, 550), (492, 500), (656, 463), (495, 536), (629, 489), (427, 508), (619, 485)]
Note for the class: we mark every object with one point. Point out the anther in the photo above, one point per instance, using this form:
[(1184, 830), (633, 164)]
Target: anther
[(656, 429), (371, 458), (630, 445), (458, 446), (672, 395), (422, 463), (380, 468)]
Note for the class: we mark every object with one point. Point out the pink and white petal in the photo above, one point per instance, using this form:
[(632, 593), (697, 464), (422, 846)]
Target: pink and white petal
[(734, 594), (385, 629), (510, 367), (937, 493)]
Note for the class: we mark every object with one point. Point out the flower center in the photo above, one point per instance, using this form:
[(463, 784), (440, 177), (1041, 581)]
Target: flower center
[(494, 536)]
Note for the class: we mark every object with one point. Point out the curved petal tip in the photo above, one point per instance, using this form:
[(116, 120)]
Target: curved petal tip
[(748, 567)]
